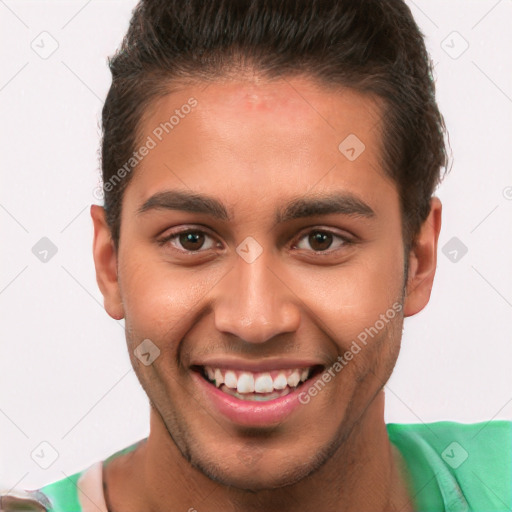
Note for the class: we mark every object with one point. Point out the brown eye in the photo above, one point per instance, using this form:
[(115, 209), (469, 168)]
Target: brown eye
[(319, 240), (322, 240), (191, 240)]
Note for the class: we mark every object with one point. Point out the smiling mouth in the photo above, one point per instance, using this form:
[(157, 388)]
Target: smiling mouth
[(257, 386)]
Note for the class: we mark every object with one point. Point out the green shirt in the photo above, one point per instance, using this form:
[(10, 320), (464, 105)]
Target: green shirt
[(452, 467)]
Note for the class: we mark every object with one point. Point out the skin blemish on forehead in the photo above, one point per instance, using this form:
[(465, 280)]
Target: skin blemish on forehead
[(291, 97)]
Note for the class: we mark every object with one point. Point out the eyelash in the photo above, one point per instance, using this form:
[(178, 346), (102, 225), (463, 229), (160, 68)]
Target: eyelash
[(346, 241)]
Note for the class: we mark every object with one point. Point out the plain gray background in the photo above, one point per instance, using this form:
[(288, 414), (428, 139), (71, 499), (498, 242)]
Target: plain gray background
[(65, 378)]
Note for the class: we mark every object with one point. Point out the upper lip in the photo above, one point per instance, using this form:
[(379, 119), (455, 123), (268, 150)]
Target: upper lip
[(262, 365)]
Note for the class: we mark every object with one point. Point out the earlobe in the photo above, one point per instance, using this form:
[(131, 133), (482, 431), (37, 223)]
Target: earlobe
[(105, 262), (423, 261)]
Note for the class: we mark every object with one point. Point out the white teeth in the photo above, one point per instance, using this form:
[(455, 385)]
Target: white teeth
[(245, 383), (280, 381), (264, 384), (230, 379), (250, 383), (293, 379), (219, 379)]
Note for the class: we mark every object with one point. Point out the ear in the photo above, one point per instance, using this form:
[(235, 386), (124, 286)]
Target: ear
[(105, 261), (423, 261)]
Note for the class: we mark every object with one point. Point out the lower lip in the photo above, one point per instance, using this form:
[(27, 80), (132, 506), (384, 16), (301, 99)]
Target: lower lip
[(250, 413)]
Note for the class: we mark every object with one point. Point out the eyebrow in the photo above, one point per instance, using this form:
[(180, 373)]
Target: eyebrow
[(321, 204), (343, 203), (185, 201)]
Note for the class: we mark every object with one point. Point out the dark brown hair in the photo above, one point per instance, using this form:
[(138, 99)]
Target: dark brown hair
[(373, 46)]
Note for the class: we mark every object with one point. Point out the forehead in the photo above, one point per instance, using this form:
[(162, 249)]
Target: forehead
[(261, 138)]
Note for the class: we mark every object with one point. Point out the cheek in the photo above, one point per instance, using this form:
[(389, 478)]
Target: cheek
[(347, 300), (159, 299)]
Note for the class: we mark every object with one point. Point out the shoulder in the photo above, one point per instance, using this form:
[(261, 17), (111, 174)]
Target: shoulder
[(62, 495), (56, 497), (463, 464)]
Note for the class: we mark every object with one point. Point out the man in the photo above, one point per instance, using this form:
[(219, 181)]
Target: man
[(269, 222)]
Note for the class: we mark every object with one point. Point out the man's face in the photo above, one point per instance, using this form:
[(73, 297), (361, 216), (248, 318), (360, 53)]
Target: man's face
[(300, 253)]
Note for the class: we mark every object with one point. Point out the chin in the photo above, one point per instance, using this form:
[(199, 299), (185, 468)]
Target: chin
[(256, 479), (263, 474)]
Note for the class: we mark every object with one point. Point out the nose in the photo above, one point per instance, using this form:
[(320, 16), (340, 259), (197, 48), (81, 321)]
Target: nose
[(254, 303)]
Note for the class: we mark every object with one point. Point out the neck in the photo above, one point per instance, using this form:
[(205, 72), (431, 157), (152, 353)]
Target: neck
[(365, 473)]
